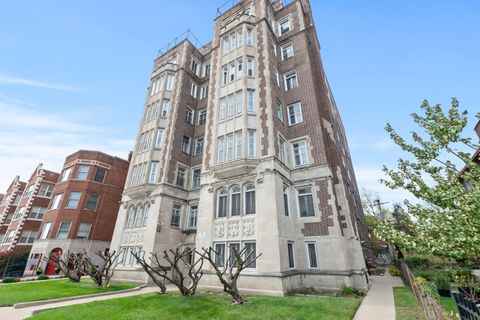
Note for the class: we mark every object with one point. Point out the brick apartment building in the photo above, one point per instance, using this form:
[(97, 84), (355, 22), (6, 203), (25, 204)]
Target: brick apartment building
[(241, 145), (24, 209), (83, 209)]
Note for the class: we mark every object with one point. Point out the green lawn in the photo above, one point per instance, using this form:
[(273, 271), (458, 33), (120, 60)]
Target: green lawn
[(44, 290), (406, 305), (449, 304), (208, 306)]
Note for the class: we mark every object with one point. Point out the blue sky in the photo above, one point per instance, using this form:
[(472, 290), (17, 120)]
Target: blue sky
[(73, 74)]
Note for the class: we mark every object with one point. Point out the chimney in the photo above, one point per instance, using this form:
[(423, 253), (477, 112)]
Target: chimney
[(277, 4)]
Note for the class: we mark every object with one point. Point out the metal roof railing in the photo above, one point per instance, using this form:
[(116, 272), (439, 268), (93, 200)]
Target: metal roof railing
[(184, 36)]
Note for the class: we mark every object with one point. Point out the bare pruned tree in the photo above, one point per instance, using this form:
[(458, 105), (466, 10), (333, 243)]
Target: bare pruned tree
[(101, 273), (230, 274), (184, 273), (70, 263)]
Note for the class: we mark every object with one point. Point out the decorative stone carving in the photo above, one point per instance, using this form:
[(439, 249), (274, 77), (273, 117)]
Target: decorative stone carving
[(219, 231), (234, 229), (140, 236), (126, 237), (248, 228)]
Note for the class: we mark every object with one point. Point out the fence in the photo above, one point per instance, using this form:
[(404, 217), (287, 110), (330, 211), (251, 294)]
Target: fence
[(432, 309), (468, 310)]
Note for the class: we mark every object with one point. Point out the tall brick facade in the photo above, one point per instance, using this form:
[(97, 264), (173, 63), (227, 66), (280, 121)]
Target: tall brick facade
[(83, 210), (253, 111)]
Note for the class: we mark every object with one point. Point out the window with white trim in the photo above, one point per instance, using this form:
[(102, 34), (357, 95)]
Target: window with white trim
[(305, 202), (223, 108), (222, 203), (220, 149), (92, 201), (194, 66), (196, 174), (55, 203), (83, 231), (235, 194), (204, 91), (28, 191), (63, 229), (206, 69), (286, 200), (146, 209), (312, 254), (65, 174), (282, 154), (82, 172), (284, 26), (291, 80), (189, 115), (181, 175), (252, 146), (176, 215), (239, 101), (158, 141), (165, 108), (202, 117), (169, 86), (295, 115), (250, 66), (27, 236), (37, 213), (198, 146), (224, 75), (225, 45), (152, 177), (250, 100), (192, 216), (230, 104), (185, 147), (250, 254), (9, 237), (279, 111), (291, 255), (45, 230), (277, 76), (232, 72), (249, 198), (19, 213), (219, 254), (239, 38), (73, 200), (238, 144), (287, 51), (100, 174), (250, 36), (193, 90), (300, 153), (229, 147), (239, 68)]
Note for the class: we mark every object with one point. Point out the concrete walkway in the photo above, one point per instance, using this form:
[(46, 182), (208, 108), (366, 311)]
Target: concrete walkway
[(379, 303), (9, 313)]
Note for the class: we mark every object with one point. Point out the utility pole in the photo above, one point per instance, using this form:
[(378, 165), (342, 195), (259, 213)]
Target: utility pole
[(381, 214)]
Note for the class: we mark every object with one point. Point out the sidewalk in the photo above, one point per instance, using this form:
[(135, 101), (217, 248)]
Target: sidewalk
[(17, 314), (379, 303)]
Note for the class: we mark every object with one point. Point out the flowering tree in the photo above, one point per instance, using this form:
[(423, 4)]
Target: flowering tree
[(441, 171)]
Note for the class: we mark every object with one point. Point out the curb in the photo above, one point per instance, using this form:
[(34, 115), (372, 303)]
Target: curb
[(43, 302)]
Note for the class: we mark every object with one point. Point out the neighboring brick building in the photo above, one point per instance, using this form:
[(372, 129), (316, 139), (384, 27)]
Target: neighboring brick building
[(241, 145), (83, 208), (25, 214), (8, 205)]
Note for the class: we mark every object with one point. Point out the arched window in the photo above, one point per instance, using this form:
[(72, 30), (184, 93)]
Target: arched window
[(131, 217), (139, 216), (145, 214), (249, 198), (221, 203), (235, 201)]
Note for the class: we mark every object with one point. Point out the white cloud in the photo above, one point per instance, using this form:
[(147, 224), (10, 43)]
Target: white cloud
[(37, 84), (377, 145)]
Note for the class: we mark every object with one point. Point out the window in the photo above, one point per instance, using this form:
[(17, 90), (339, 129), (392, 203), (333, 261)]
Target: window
[(56, 201), (198, 146), (294, 114), (202, 117), (19, 213), (181, 172), (233, 248), (221, 150), (274, 48), (249, 37), (219, 254), (279, 111), (235, 201), (239, 68), (193, 90), (165, 108), (239, 101), (65, 174), (249, 198), (230, 104), (158, 141), (169, 85), (287, 51), (291, 80), (233, 41), (224, 75), (238, 145), (251, 101), (250, 254), (82, 172), (186, 144), (206, 70), (192, 216), (146, 208), (9, 237), (221, 203), (73, 200), (250, 66), (37, 213), (92, 201), (286, 200), (176, 215), (139, 217), (8, 219), (131, 217), (100, 175), (83, 230), (223, 108), (305, 202), (277, 77), (284, 26), (312, 255), (251, 143), (152, 177), (239, 38), (300, 154), (281, 150), (204, 91), (45, 230), (189, 115), (291, 256), (225, 45), (28, 192), (229, 147), (194, 66), (64, 229), (196, 178), (17, 199), (231, 72)]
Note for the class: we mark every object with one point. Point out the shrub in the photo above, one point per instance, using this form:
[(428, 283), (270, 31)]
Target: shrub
[(442, 281), (394, 271), (42, 277), (427, 289), (7, 280), (429, 275), (39, 271), (416, 263), (346, 291)]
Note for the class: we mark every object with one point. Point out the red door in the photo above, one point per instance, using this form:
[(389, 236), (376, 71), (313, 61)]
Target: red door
[(52, 265)]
